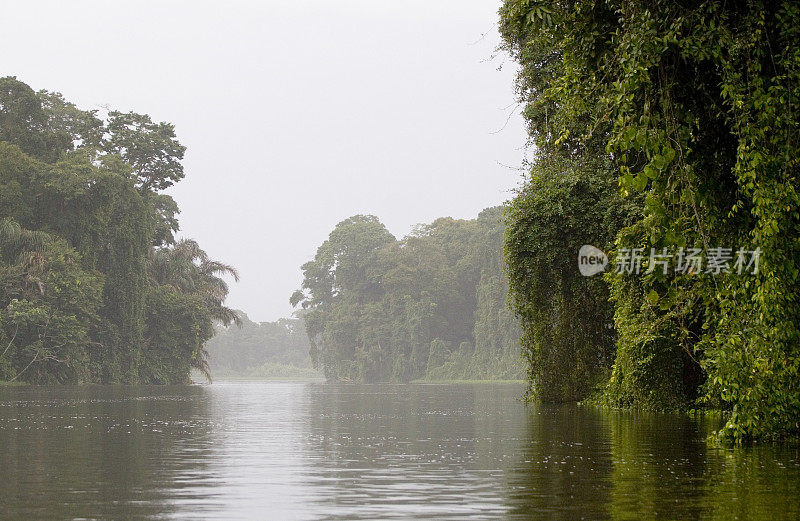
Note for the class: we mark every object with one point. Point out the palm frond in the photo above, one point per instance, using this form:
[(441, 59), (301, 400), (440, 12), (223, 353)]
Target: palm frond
[(210, 267), (10, 231), (200, 362)]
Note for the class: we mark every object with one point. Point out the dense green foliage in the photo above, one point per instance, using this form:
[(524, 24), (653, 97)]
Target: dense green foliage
[(93, 287), (566, 317), (432, 305), (265, 349), (694, 107)]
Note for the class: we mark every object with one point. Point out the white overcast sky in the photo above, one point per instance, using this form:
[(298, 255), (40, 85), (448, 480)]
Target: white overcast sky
[(296, 113)]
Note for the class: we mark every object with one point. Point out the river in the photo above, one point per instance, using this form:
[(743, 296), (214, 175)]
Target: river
[(297, 450)]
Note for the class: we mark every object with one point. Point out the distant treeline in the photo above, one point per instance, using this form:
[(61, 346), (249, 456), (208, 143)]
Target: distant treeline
[(93, 285), (265, 349), (431, 305), (668, 129)]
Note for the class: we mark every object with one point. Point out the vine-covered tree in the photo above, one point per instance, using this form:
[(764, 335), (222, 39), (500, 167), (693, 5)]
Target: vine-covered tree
[(694, 106), (566, 317), (93, 287)]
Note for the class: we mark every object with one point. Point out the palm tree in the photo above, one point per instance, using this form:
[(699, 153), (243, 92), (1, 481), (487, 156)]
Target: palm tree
[(23, 252), (188, 269)]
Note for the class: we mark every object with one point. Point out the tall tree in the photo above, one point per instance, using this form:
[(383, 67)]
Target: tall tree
[(151, 149), (25, 122)]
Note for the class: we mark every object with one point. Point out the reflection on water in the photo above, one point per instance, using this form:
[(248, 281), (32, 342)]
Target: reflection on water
[(314, 451)]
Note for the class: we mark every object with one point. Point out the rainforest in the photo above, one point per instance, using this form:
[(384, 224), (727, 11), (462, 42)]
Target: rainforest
[(94, 288), (653, 130), (463, 259)]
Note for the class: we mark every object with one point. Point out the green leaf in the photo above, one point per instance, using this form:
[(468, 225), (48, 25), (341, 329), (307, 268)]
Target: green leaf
[(640, 182)]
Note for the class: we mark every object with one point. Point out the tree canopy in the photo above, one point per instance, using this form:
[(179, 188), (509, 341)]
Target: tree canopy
[(432, 305), (93, 286)]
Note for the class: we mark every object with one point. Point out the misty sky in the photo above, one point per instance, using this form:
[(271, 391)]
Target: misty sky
[(296, 114)]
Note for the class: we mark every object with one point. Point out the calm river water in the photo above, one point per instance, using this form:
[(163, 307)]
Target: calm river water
[(273, 451)]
